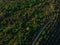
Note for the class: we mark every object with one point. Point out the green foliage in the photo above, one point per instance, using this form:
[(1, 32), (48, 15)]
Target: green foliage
[(25, 19)]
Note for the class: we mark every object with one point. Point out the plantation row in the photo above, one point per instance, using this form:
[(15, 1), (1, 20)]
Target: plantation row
[(50, 33), (21, 21)]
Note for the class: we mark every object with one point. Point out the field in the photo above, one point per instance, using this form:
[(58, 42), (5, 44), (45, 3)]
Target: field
[(29, 22)]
